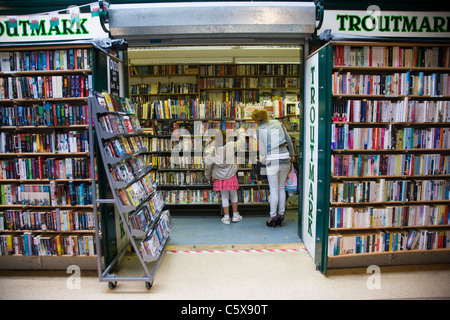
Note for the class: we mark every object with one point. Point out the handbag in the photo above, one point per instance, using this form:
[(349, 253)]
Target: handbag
[(258, 171), (291, 181)]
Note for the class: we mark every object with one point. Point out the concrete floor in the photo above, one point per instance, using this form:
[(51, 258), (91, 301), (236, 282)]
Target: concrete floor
[(243, 274)]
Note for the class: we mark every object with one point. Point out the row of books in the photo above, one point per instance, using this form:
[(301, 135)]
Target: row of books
[(48, 114), (423, 239), (181, 129), (367, 242), (388, 241), (199, 196), (249, 83), (191, 196), (138, 191), (178, 162), (181, 178), (152, 244), (435, 84), (28, 244), (244, 177), (163, 70), (344, 137), (158, 87), (194, 162), (203, 128), (231, 128), (113, 103), (122, 147), (46, 195), (349, 217), (119, 124), (159, 144), (389, 165), (146, 214), (389, 190), (187, 109), (56, 220), (178, 143), (244, 96), (391, 56), (207, 109), (70, 142), (250, 70), (45, 168), (129, 170), (253, 195), (46, 87), (405, 110), (61, 59), (172, 109), (210, 109)]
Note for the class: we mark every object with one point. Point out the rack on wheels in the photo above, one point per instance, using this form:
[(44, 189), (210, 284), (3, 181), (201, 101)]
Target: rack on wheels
[(134, 192)]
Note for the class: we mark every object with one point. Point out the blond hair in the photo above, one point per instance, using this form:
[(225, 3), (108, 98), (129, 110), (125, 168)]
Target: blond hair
[(220, 137), (260, 115)]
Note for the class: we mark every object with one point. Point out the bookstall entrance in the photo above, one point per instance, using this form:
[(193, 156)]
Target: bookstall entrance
[(224, 54)]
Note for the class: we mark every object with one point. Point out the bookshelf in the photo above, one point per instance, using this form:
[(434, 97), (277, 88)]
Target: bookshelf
[(219, 96), (183, 182), (389, 122), (46, 212), (128, 171), (246, 83)]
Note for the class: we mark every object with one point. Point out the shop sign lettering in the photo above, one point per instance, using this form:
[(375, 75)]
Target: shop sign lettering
[(87, 28)]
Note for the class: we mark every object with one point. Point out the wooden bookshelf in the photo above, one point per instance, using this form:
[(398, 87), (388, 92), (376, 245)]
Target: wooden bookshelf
[(224, 91), (207, 82)]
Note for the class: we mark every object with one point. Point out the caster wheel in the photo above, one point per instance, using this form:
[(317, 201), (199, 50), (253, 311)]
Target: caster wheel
[(112, 285), (148, 285)]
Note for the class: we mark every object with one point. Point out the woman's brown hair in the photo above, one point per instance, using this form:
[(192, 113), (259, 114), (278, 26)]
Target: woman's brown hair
[(260, 115)]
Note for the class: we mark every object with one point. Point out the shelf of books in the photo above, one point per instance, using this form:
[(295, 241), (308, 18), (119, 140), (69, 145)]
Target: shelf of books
[(177, 145), (46, 210), (220, 97), (239, 82), (390, 154), (128, 170)]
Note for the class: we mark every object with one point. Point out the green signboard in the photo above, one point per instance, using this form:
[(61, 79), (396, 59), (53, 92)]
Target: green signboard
[(316, 155)]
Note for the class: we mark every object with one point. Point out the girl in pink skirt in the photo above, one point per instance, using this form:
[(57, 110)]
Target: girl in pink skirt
[(221, 168)]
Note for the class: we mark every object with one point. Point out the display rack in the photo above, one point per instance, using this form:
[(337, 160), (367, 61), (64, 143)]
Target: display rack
[(136, 200)]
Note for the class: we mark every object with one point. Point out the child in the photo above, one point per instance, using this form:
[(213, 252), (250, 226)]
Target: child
[(221, 168)]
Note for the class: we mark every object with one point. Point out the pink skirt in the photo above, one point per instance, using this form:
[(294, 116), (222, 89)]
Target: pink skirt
[(229, 184)]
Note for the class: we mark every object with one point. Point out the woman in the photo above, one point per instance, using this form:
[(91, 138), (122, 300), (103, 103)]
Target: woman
[(276, 152), (221, 168)]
